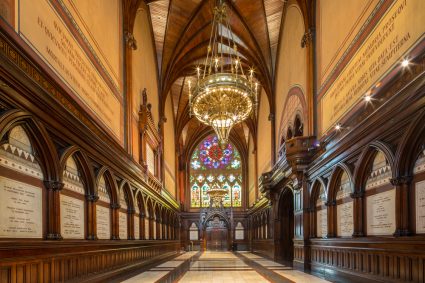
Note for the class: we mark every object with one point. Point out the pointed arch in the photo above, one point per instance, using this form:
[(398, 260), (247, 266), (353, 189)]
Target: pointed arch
[(45, 150), (410, 147), (365, 162), (84, 166), (335, 179)]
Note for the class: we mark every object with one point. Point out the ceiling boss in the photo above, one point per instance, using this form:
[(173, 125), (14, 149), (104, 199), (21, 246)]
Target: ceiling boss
[(223, 94)]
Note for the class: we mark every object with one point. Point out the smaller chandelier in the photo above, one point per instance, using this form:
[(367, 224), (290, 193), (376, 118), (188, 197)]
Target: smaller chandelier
[(216, 195), (224, 94)]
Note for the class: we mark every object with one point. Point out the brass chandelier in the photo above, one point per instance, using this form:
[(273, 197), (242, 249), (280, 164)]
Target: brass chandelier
[(223, 94)]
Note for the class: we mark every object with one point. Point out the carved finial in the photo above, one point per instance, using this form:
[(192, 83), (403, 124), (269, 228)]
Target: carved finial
[(144, 97), (130, 40), (307, 39)]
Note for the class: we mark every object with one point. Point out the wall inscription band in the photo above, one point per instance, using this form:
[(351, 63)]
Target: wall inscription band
[(45, 32), (398, 31), (21, 211)]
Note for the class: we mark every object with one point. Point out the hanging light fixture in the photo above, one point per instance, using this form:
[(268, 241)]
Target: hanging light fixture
[(223, 94)]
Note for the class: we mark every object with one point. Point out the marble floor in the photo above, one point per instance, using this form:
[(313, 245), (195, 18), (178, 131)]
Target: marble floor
[(221, 267)]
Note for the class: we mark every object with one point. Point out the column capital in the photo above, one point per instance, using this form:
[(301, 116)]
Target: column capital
[(401, 180), (54, 185), (357, 194), (115, 206), (92, 198)]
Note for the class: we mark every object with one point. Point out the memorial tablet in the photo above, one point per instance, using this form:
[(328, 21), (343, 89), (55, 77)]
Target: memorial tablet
[(381, 213), (420, 207), (21, 210), (345, 227), (103, 218), (72, 217)]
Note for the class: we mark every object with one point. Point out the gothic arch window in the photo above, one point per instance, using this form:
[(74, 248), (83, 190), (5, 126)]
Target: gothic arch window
[(210, 164)]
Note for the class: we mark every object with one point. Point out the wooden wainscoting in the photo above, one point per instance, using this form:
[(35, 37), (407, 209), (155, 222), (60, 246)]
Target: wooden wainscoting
[(78, 261), (381, 259), (263, 247)]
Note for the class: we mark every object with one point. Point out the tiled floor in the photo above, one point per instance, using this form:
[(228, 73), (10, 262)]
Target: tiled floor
[(224, 267)]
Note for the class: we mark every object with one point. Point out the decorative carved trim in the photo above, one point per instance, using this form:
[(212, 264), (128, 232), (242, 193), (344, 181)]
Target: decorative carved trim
[(130, 40), (54, 236)]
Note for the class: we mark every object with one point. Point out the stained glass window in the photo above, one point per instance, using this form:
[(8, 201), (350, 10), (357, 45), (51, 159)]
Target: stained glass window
[(212, 164)]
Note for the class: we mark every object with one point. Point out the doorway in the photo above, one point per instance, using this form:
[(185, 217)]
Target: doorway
[(217, 234), (286, 217)]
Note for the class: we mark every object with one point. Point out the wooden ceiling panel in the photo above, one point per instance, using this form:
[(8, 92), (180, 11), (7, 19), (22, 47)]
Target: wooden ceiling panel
[(274, 10), (159, 12), (179, 13)]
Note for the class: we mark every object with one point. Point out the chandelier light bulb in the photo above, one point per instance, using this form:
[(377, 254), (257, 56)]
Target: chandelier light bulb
[(405, 63), (367, 98), (338, 127)]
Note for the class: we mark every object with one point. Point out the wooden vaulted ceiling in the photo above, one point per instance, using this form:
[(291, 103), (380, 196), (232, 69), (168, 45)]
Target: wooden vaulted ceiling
[(182, 30)]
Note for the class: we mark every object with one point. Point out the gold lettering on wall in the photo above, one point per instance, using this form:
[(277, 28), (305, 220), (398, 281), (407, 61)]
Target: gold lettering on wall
[(45, 32), (400, 29)]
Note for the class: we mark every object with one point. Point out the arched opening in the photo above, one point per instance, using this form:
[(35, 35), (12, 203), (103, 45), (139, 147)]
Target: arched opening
[(298, 126), (286, 219), (217, 233), (289, 133)]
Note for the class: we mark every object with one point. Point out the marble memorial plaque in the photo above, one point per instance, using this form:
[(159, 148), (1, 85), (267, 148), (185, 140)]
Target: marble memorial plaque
[(239, 235), (381, 213), (420, 206), (193, 235), (21, 210), (72, 217), (146, 228), (322, 223), (136, 227), (103, 218), (123, 225), (345, 226)]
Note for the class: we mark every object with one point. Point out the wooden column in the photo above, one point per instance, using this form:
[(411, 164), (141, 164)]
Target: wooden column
[(115, 208), (130, 223), (142, 225), (331, 207), (151, 224), (358, 208), (53, 210), (91, 217), (402, 186)]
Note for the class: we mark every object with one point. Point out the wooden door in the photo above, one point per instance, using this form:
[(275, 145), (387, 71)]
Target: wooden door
[(217, 239)]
